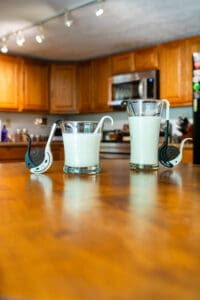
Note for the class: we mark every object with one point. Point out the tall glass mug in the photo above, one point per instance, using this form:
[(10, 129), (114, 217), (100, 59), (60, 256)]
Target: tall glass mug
[(144, 122), (81, 147)]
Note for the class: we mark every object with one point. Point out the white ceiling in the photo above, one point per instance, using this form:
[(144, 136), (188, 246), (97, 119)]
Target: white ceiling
[(125, 25)]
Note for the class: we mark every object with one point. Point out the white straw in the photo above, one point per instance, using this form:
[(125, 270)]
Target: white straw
[(100, 124)]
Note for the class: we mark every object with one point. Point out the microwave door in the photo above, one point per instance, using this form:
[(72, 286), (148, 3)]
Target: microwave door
[(142, 88)]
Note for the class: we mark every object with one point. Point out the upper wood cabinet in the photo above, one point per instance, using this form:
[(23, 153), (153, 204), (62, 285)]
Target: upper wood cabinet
[(173, 76), (63, 88), (100, 74), (122, 63), (36, 86), (84, 91), (10, 83), (146, 59)]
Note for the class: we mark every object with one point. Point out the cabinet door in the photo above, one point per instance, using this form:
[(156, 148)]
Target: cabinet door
[(122, 63), (146, 59), (192, 45), (36, 86), (100, 84), (187, 156), (84, 87), (63, 89), (173, 73), (10, 83)]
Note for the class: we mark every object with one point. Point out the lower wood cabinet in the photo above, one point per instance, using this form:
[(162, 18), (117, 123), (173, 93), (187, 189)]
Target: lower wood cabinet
[(16, 152), (187, 155), (63, 89)]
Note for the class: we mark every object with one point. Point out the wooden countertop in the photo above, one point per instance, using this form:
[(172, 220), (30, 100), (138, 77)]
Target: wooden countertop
[(120, 235)]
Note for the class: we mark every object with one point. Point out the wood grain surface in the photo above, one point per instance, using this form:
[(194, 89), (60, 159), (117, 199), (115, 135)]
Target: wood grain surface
[(118, 235)]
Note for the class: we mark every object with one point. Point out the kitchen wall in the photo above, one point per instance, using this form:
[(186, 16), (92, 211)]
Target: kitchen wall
[(27, 120)]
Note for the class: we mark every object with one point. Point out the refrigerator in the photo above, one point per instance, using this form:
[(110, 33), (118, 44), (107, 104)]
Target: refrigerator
[(196, 106)]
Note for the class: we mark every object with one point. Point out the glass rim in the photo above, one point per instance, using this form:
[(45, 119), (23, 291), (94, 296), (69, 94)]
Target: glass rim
[(79, 122), (145, 100)]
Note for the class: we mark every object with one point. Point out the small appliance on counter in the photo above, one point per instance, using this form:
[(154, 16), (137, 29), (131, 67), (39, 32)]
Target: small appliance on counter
[(117, 135), (111, 136), (185, 127)]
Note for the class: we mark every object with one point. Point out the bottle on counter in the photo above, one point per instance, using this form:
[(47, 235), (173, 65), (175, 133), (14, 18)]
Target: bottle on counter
[(24, 135), (4, 134), (18, 135)]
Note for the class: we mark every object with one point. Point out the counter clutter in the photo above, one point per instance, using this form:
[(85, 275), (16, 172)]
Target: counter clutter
[(117, 235)]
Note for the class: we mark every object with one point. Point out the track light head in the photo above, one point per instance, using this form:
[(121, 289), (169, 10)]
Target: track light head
[(4, 48), (20, 39), (99, 10), (40, 35), (68, 20)]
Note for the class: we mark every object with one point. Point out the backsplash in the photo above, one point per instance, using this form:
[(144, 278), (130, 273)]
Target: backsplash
[(15, 121)]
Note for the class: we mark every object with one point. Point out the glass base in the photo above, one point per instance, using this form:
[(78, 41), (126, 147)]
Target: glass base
[(152, 167), (81, 170)]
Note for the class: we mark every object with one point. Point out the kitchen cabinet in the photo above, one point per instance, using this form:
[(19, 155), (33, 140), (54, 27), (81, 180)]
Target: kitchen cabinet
[(10, 83), (100, 74), (84, 91), (146, 59), (173, 77), (15, 152), (63, 88), (187, 155), (122, 63), (36, 86)]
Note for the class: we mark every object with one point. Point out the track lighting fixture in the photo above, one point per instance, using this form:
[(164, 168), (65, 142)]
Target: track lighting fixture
[(20, 39), (40, 35), (68, 19), (99, 10)]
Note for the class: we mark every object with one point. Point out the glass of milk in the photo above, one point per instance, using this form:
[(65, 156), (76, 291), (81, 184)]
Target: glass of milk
[(81, 147), (144, 122)]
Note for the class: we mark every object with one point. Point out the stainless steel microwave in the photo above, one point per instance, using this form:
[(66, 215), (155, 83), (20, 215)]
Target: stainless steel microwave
[(136, 85)]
